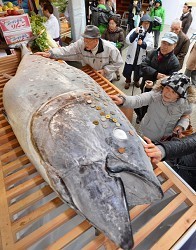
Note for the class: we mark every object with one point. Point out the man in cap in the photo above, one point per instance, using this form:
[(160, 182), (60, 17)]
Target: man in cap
[(100, 54), (183, 43), (157, 65), (186, 18)]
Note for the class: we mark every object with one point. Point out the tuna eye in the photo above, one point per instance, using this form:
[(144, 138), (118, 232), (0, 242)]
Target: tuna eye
[(119, 134)]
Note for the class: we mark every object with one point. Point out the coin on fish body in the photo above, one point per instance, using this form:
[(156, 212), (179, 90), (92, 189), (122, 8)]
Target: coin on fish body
[(102, 113), (96, 95), (107, 116), (115, 120), (105, 103), (117, 124), (121, 150), (112, 112), (131, 132), (93, 105), (96, 122), (105, 125), (89, 101), (103, 119), (98, 108)]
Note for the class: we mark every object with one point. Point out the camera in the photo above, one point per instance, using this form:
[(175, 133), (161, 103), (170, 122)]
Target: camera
[(141, 32)]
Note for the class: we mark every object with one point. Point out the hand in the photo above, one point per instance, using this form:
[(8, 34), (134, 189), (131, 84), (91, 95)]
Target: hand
[(178, 130), (139, 42), (152, 151), (148, 84), (101, 71), (159, 76), (44, 54), (116, 99), (137, 30)]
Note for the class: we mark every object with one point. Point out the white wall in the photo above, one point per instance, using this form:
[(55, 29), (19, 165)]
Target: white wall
[(173, 9)]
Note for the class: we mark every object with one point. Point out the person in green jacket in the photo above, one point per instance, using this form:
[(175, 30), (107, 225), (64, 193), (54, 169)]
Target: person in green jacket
[(158, 16)]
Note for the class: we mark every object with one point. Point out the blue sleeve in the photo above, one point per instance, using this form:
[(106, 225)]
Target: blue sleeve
[(133, 36)]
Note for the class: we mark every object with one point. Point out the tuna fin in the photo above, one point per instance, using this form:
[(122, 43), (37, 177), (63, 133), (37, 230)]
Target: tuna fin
[(139, 187)]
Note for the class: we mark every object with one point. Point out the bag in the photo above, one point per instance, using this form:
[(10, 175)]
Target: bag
[(188, 131), (157, 21), (136, 19)]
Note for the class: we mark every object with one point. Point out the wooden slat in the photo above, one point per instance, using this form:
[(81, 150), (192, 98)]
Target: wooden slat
[(69, 237), (14, 165), (45, 229), (177, 230), (22, 188), (19, 175), (36, 214), (158, 219), (30, 200)]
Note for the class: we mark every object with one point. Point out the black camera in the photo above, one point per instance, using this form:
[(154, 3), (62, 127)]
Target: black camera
[(141, 32)]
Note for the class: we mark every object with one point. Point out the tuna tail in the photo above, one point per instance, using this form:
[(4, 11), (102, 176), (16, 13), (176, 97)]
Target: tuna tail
[(23, 46)]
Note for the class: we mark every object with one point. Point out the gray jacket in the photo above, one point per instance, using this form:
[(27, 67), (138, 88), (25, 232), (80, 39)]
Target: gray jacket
[(107, 57), (161, 118)]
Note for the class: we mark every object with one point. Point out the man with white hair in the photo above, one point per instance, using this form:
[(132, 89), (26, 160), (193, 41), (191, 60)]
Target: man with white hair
[(183, 43)]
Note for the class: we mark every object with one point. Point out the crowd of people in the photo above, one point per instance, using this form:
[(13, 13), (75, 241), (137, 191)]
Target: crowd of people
[(165, 103)]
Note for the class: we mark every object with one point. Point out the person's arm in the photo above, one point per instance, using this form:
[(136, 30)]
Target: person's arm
[(68, 53), (136, 101), (131, 36), (181, 55), (163, 19), (170, 149), (180, 147), (121, 38), (184, 121), (146, 67)]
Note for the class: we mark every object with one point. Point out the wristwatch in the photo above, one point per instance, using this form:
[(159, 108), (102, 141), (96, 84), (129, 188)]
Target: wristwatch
[(123, 99)]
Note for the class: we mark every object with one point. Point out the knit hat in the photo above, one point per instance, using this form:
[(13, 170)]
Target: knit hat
[(170, 37), (178, 82), (91, 31), (158, 1)]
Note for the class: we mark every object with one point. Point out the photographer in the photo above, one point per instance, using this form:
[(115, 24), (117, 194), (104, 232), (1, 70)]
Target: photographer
[(139, 40), (157, 14)]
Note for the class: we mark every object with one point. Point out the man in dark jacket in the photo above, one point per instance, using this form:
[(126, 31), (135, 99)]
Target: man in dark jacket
[(157, 65), (183, 43), (183, 153), (186, 18)]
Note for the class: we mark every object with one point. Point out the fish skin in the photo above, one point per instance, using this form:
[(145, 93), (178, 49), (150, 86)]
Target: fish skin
[(46, 105)]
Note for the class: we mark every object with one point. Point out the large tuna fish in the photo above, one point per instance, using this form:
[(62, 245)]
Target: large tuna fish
[(81, 143)]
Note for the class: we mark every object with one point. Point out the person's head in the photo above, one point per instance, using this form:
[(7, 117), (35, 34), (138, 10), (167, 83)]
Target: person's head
[(146, 22), (168, 43), (42, 2), (91, 37), (113, 22), (176, 26), (101, 1), (175, 87), (186, 8), (158, 3), (47, 9)]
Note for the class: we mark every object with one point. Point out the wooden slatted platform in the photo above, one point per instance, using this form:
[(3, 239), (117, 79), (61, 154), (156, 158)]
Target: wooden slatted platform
[(30, 211)]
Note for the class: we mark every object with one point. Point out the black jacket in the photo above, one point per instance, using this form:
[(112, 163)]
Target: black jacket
[(183, 153), (152, 66)]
